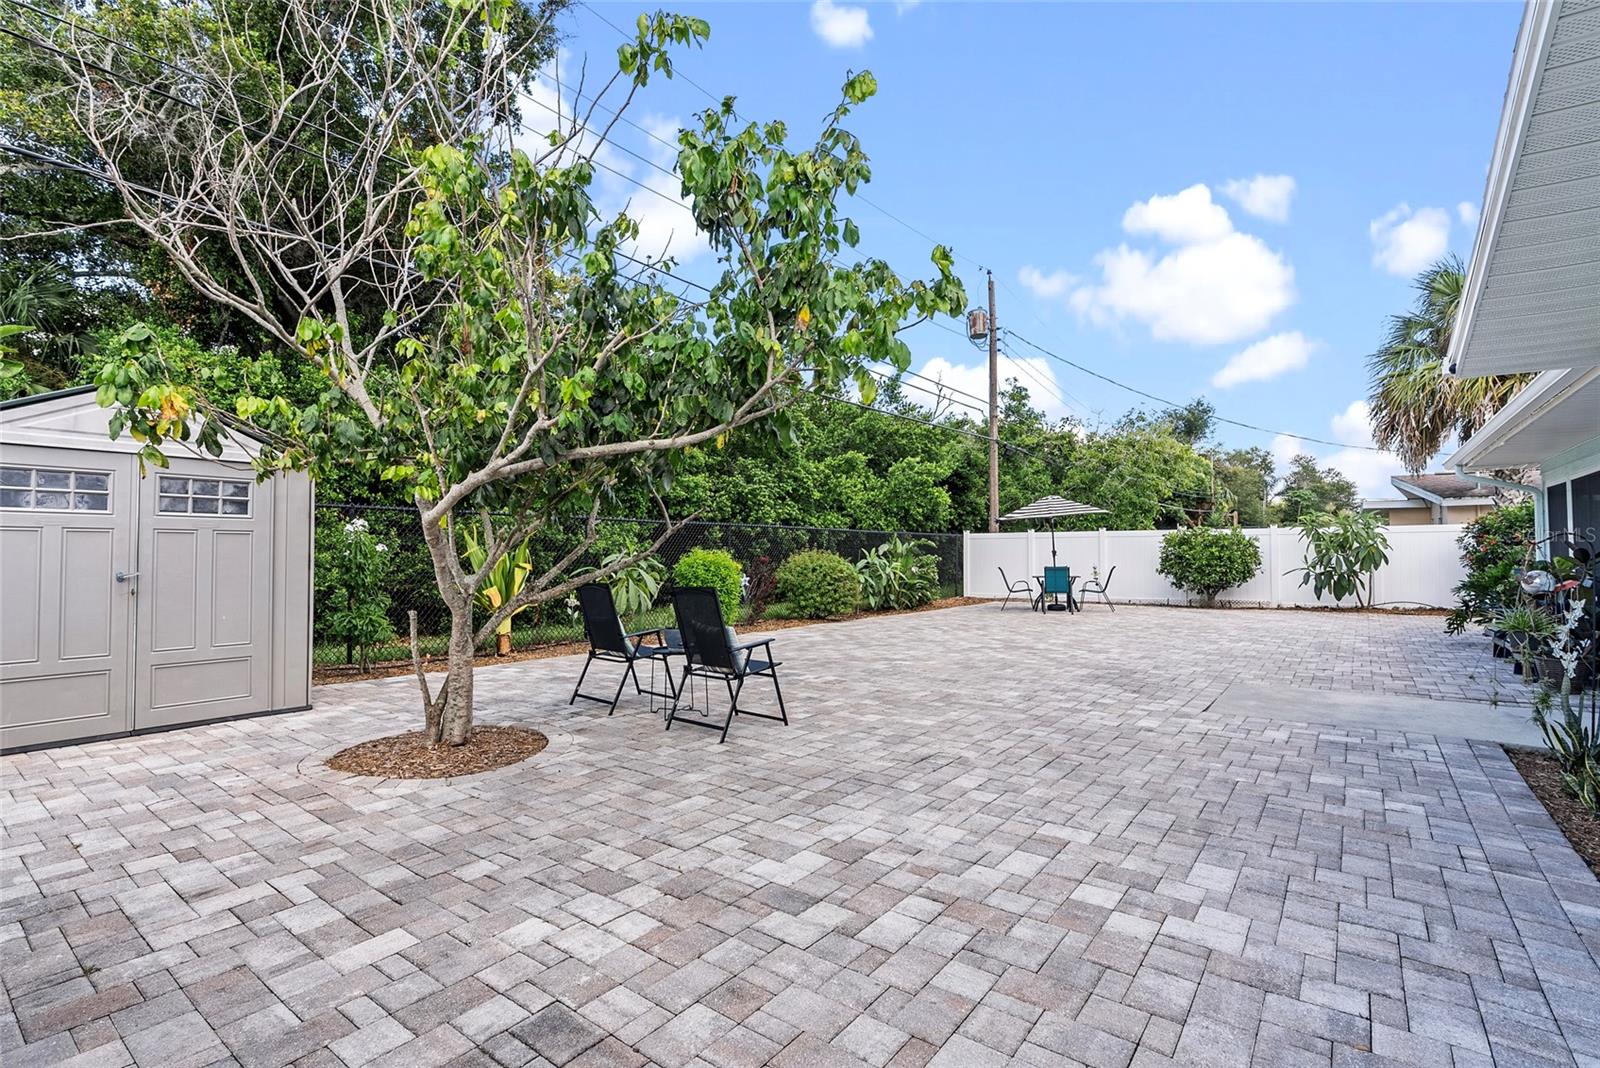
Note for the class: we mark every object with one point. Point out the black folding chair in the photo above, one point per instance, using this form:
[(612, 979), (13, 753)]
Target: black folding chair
[(710, 653), (609, 642), (1099, 586), (1022, 586)]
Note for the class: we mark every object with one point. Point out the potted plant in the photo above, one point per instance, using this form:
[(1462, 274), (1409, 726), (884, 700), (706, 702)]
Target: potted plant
[(1527, 629)]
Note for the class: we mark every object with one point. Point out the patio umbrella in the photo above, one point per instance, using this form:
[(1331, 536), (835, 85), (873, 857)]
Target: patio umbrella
[(1052, 508)]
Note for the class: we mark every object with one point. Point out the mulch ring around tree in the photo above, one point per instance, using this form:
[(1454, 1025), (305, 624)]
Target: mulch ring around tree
[(1543, 776), (408, 756)]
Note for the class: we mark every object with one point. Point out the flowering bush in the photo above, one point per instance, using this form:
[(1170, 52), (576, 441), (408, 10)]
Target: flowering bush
[(350, 571)]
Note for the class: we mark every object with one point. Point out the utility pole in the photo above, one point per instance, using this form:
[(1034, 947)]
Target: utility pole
[(994, 414)]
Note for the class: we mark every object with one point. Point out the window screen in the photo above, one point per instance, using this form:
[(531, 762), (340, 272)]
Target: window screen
[(1555, 498), (178, 495), (1586, 510), (49, 490)]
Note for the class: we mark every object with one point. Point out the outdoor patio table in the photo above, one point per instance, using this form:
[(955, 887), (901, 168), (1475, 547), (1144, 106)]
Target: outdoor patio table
[(1071, 603), (671, 646)]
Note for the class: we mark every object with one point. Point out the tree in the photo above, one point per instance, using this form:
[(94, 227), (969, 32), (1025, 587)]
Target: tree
[(523, 371), (1247, 476), (1416, 406), (59, 221), (1310, 490), (1342, 552)]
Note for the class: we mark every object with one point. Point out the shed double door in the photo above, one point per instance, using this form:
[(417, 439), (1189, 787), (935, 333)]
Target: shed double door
[(123, 607)]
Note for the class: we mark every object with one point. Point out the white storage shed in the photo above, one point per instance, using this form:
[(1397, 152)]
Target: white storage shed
[(132, 604)]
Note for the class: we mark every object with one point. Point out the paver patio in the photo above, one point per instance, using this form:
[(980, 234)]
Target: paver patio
[(986, 837)]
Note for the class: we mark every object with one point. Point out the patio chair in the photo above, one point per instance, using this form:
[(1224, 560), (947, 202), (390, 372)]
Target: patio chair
[(1057, 581), (1100, 586), (1019, 586), (712, 653), (608, 641)]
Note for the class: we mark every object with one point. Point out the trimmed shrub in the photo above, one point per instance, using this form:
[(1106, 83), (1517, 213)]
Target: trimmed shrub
[(818, 585), (1207, 560), (715, 568)]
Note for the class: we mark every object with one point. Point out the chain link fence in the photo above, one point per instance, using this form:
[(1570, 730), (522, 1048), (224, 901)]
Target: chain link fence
[(408, 580)]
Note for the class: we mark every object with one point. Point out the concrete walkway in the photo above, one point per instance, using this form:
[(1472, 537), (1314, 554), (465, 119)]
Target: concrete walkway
[(985, 838), (1478, 720)]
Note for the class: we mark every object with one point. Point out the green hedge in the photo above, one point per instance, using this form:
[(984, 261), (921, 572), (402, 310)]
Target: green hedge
[(818, 585), (715, 568)]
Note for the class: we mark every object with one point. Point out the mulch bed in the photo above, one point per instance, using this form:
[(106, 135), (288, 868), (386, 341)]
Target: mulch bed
[(392, 668), (407, 756), (1581, 826)]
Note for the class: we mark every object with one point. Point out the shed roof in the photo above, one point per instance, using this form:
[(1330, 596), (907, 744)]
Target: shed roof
[(70, 419)]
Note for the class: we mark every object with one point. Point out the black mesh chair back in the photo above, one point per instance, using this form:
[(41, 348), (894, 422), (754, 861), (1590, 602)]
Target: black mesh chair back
[(710, 653), (705, 637), (609, 642), (600, 622)]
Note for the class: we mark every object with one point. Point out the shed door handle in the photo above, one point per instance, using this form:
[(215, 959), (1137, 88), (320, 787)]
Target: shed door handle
[(127, 576)]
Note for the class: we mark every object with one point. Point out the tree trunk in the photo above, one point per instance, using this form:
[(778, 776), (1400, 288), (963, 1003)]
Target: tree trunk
[(448, 718), (455, 721)]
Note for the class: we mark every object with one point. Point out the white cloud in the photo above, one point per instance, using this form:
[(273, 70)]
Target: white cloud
[(1266, 359), (840, 25), (1467, 212), (1369, 470), (1206, 294), (664, 215), (902, 6), (1265, 196), (1217, 286), (1353, 426), (1182, 218), (1405, 242), (666, 223), (974, 379), (1050, 286)]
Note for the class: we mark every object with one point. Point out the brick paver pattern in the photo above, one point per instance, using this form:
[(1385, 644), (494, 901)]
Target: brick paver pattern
[(985, 838)]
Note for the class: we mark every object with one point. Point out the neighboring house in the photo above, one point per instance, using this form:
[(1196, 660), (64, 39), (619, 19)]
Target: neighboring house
[(1436, 498), (1532, 299)]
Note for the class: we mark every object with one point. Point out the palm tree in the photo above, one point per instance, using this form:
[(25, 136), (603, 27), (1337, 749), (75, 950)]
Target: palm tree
[(56, 318), (1416, 407)]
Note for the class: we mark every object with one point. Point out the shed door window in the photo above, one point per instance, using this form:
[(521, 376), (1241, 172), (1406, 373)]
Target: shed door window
[(50, 490), (203, 496)]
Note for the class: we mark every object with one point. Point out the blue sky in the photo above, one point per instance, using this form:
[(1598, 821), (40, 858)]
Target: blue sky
[(1217, 199)]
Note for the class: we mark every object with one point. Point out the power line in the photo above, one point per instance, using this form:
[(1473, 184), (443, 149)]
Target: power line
[(1175, 404), (925, 236)]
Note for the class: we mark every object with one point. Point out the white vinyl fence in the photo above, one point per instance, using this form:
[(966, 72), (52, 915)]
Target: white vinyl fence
[(1424, 566)]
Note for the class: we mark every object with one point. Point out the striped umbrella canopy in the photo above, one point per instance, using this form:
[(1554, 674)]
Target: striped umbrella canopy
[(1052, 508)]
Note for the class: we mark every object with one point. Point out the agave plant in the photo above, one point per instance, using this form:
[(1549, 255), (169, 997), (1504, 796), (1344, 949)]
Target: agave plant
[(505, 581)]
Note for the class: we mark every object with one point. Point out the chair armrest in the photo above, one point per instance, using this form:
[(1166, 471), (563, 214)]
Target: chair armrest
[(642, 633), (754, 643)]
